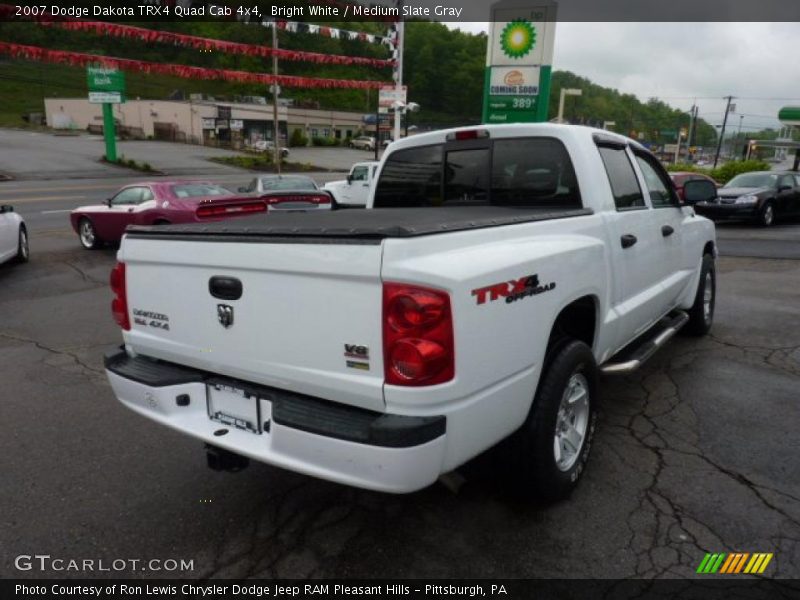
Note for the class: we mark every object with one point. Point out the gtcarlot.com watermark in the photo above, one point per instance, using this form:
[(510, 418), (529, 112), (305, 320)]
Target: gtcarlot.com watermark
[(46, 562)]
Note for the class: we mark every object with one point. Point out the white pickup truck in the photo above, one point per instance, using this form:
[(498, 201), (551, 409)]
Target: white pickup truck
[(355, 190), (497, 273)]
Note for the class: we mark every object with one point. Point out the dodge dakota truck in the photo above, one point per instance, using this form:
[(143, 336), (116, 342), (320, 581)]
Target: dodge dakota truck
[(497, 272)]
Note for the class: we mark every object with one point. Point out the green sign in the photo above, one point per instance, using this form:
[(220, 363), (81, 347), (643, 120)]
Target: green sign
[(105, 79), (107, 86)]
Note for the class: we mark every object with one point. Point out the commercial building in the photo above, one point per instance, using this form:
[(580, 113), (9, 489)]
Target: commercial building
[(203, 121)]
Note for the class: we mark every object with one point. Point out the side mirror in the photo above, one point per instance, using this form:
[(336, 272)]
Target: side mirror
[(783, 188), (6, 208), (349, 179), (699, 190), (108, 202)]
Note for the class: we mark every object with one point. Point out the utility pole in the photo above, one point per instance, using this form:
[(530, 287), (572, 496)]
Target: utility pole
[(722, 132), (275, 92)]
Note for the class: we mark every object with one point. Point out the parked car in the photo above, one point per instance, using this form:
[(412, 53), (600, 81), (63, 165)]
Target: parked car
[(363, 142), (679, 178), (496, 272), (158, 203), (13, 236), (762, 196), (354, 191), (269, 146), (268, 183), (289, 193)]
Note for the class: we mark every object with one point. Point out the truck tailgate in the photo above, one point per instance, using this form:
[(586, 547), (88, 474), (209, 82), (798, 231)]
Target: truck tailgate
[(308, 319)]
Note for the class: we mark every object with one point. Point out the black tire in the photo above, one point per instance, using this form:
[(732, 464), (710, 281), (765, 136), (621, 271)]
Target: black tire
[(766, 216), (87, 235), (23, 248), (536, 470), (701, 315)]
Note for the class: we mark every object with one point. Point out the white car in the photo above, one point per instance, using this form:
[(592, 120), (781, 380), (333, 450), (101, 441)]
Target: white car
[(294, 193), (269, 146), (13, 236), (354, 191), (363, 142), (497, 271)]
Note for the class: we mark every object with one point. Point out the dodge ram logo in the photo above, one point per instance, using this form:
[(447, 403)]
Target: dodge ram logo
[(225, 315)]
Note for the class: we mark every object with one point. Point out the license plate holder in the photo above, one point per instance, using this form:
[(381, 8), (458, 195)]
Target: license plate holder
[(236, 408)]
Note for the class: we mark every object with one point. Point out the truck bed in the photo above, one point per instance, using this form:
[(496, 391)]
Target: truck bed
[(368, 226)]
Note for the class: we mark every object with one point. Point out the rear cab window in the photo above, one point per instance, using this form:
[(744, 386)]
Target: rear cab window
[(523, 172)]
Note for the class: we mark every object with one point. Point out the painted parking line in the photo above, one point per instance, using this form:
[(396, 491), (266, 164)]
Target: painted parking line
[(41, 199), (52, 212)]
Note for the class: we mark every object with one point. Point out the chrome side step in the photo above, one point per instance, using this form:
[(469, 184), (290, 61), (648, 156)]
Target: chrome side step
[(635, 354)]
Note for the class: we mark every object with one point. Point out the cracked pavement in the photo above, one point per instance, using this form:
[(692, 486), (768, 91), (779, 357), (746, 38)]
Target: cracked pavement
[(697, 452)]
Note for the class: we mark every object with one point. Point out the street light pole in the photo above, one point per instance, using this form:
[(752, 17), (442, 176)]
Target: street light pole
[(564, 93), (739, 133)]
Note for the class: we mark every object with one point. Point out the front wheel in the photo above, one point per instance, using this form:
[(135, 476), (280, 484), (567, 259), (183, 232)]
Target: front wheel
[(23, 249), (701, 315), (552, 447), (767, 215), (88, 235)]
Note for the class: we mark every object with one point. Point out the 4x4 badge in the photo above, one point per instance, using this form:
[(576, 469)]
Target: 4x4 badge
[(225, 315)]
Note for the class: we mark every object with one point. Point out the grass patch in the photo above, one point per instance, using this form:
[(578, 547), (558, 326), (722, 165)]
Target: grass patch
[(264, 163), (129, 163)]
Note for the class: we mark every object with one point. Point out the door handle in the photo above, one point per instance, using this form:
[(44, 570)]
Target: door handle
[(628, 240), (667, 230)]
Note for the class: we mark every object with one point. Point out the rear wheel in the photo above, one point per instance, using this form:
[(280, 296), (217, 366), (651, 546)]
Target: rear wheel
[(551, 449), (88, 235), (767, 215), (23, 249), (701, 315)]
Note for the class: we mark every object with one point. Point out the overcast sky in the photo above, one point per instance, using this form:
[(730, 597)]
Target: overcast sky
[(677, 62)]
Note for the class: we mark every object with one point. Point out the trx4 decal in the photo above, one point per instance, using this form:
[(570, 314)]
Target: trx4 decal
[(513, 290)]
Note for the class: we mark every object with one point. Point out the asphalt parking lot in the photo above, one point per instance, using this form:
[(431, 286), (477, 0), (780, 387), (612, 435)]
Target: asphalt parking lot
[(697, 452)]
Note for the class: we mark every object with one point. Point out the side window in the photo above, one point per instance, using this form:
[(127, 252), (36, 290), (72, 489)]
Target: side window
[(359, 174), (787, 180), (660, 190), (127, 197), (624, 186), (147, 194), (797, 180)]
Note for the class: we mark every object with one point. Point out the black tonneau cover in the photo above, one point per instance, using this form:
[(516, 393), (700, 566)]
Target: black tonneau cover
[(375, 224)]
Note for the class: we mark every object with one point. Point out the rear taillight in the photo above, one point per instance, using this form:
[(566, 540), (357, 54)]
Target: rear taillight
[(119, 305), (222, 210), (417, 335)]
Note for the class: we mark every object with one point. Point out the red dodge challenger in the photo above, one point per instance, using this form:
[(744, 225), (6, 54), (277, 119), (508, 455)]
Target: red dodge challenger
[(154, 203)]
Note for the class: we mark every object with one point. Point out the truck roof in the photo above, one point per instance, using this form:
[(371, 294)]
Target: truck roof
[(515, 130)]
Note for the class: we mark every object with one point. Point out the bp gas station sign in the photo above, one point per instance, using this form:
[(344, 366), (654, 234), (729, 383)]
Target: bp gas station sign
[(519, 62)]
